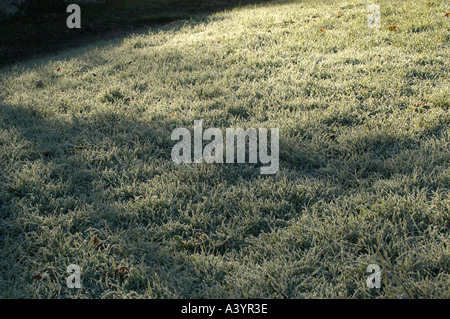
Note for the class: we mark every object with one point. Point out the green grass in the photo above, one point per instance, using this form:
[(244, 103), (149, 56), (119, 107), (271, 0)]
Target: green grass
[(364, 159)]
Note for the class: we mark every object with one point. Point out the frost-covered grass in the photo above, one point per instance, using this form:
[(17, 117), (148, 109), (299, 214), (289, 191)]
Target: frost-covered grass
[(364, 159)]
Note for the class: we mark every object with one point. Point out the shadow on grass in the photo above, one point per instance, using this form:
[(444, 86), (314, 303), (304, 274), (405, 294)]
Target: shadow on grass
[(107, 150), (96, 205), (42, 32)]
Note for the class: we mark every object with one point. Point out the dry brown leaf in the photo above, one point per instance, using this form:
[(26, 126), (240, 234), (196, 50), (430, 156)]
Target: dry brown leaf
[(98, 243), (48, 153), (121, 271)]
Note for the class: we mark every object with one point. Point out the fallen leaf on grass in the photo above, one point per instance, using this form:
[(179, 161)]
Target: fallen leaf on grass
[(392, 28), (322, 29), (38, 276), (121, 271), (99, 244), (48, 153)]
